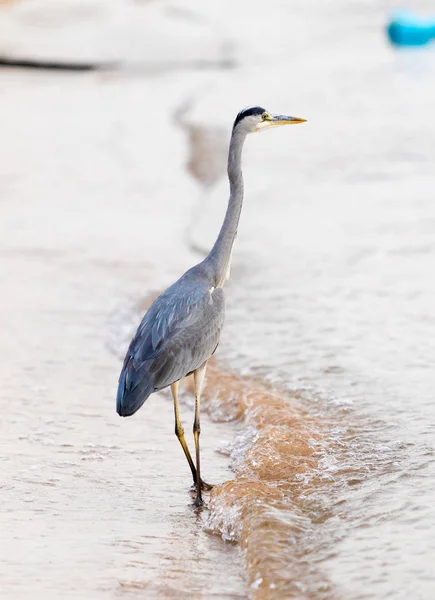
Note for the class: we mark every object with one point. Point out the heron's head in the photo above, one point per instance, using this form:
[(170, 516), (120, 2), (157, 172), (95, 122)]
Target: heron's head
[(256, 118)]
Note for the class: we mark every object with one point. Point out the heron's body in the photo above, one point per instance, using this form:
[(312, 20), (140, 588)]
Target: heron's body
[(177, 335), (181, 329)]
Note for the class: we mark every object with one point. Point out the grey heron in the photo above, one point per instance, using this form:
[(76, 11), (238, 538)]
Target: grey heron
[(181, 329)]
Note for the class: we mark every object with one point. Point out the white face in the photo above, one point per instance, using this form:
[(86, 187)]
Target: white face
[(253, 123), (263, 121)]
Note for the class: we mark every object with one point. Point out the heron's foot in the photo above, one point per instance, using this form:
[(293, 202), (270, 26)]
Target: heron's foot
[(205, 487), (198, 502)]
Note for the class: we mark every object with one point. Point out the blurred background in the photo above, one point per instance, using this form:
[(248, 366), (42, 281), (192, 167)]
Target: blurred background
[(115, 117)]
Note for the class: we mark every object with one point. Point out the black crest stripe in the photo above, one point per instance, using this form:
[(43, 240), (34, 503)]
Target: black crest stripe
[(246, 112)]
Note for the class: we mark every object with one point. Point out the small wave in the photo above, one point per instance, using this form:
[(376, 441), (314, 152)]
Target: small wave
[(277, 457)]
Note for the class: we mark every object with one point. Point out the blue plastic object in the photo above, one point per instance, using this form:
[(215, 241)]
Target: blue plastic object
[(407, 29)]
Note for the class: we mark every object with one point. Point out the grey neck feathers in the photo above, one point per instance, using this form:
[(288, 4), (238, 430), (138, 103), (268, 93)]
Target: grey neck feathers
[(220, 255)]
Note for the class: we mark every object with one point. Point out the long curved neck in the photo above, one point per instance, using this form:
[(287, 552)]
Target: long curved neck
[(220, 255)]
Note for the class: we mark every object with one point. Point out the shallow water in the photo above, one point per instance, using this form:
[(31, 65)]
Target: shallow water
[(93, 506), (78, 517), (333, 301)]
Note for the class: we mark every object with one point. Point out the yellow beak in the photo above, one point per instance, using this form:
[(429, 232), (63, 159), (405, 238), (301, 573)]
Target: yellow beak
[(277, 120)]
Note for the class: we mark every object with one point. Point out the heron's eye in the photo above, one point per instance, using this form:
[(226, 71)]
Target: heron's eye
[(265, 117)]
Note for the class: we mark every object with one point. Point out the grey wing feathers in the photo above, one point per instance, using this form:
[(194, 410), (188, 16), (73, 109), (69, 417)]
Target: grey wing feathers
[(178, 333), (166, 316), (193, 343)]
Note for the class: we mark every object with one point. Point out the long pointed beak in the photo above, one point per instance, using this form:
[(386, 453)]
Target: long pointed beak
[(278, 120)]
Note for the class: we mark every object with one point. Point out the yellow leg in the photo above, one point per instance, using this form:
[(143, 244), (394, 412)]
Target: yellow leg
[(199, 377), (179, 431)]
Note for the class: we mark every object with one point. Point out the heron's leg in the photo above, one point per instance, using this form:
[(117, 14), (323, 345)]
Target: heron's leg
[(199, 377), (179, 431)]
